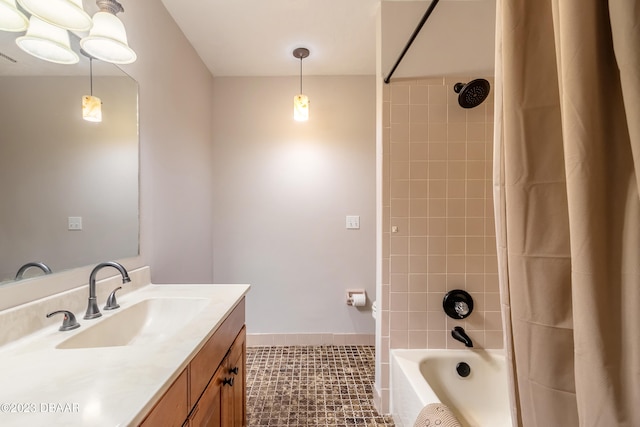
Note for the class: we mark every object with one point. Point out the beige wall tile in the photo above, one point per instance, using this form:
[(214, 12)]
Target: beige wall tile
[(420, 114), (419, 131), (418, 264), (437, 188), (419, 94), (456, 132), (400, 94), (420, 151), (437, 150), (437, 94), (457, 151), (418, 339), (418, 283), (437, 245), (417, 207), (437, 285), (399, 245), (400, 151), (437, 113), (418, 226), (437, 339), (399, 133), (437, 208), (399, 114), (399, 339), (399, 282), (437, 131), (419, 169), (419, 245)]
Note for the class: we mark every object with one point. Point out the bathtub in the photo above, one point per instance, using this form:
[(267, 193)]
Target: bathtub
[(419, 377)]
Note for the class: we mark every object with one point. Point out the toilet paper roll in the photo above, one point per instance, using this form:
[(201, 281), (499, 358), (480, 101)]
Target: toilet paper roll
[(359, 300)]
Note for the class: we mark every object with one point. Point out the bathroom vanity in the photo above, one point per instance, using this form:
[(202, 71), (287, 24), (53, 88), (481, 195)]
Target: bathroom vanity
[(171, 355), (210, 391)]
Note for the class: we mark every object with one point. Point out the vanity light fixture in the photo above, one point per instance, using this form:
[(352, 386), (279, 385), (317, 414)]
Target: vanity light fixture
[(107, 40), (301, 101), (91, 105), (67, 14), (48, 42), (11, 19)]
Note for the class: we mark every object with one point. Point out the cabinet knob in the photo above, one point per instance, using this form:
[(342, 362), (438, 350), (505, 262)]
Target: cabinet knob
[(227, 381), (234, 370)]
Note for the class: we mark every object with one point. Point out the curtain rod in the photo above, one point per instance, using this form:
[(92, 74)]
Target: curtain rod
[(412, 38)]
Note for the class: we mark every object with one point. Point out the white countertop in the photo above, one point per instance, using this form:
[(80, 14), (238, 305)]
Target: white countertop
[(41, 385)]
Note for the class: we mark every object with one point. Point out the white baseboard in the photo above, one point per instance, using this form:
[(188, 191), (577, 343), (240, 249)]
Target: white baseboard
[(258, 340)]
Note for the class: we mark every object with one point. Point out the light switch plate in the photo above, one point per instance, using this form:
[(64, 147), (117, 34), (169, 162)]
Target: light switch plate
[(75, 223), (353, 222)]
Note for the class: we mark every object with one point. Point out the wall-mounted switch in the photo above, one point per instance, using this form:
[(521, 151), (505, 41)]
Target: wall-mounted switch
[(353, 222), (75, 223)]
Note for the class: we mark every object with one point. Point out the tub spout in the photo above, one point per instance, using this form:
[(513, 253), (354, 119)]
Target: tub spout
[(459, 334)]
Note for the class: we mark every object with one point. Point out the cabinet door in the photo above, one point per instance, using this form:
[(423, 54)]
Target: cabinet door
[(223, 401), (234, 397), (208, 412)]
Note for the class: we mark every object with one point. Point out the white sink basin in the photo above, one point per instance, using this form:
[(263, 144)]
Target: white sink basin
[(149, 321)]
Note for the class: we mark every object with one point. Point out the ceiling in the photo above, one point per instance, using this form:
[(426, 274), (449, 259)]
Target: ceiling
[(257, 37)]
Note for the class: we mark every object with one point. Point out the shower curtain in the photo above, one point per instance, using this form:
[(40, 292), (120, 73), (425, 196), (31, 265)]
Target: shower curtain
[(566, 187)]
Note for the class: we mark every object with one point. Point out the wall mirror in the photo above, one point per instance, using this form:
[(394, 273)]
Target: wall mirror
[(69, 194)]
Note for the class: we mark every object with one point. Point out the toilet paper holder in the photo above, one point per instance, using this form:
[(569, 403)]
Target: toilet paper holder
[(356, 297)]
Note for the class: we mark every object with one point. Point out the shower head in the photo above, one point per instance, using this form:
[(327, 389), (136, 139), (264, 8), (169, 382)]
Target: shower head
[(473, 93)]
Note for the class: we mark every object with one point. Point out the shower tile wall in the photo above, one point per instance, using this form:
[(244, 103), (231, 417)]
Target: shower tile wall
[(438, 218)]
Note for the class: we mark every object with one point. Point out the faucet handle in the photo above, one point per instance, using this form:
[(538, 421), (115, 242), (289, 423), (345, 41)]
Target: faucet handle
[(69, 322), (112, 304)]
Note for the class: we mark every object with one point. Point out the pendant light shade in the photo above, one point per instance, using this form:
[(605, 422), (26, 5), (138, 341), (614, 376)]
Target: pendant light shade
[(301, 101), (67, 14), (91, 108), (48, 42), (11, 19), (107, 39), (301, 108)]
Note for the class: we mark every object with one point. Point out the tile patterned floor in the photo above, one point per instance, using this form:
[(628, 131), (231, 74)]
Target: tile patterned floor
[(311, 386)]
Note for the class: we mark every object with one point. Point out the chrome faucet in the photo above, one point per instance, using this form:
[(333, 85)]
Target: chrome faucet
[(92, 308), (41, 265), (459, 334)]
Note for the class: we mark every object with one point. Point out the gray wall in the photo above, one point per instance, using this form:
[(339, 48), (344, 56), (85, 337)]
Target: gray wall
[(175, 146), (282, 190)]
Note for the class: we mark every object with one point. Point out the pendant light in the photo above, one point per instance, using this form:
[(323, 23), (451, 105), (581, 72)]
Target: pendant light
[(67, 14), (107, 39), (48, 42), (301, 101), (91, 105), (11, 19)]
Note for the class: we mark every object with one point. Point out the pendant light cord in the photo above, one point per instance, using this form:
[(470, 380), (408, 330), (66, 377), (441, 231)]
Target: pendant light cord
[(301, 75), (91, 75)]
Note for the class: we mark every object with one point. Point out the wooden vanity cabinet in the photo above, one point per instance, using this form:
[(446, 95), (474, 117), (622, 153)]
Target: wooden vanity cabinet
[(211, 389)]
